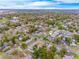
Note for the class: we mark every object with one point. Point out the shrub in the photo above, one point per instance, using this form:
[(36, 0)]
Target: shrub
[(60, 25), (1, 43), (58, 39), (5, 39), (25, 38), (43, 52), (23, 45), (51, 52), (32, 29), (15, 52), (14, 40), (76, 36), (5, 28), (35, 54), (71, 30), (51, 22), (68, 39), (62, 52)]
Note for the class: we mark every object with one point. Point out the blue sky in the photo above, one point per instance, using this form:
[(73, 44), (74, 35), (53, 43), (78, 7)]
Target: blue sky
[(39, 4)]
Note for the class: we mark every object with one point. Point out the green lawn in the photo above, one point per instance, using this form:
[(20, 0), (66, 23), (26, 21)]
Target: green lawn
[(76, 56)]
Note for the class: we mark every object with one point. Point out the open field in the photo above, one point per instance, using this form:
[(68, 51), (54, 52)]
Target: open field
[(39, 34)]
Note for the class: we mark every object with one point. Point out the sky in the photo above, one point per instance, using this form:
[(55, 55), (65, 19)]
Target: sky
[(39, 4)]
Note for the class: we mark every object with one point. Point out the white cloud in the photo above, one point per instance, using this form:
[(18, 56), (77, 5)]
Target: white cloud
[(26, 5), (31, 4), (69, 1), (39, 3)]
